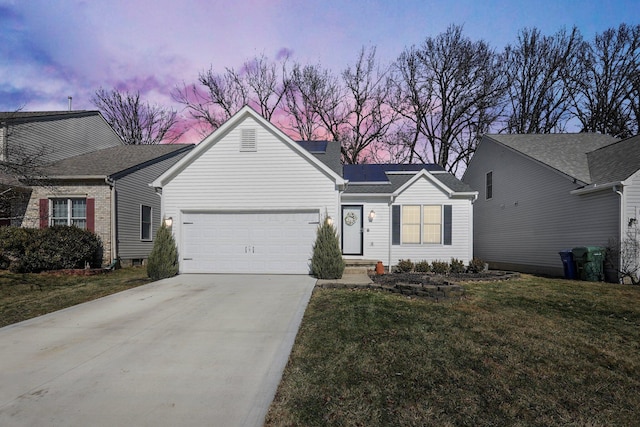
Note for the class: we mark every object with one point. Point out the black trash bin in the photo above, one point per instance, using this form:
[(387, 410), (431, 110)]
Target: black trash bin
[(568, 264), (589, 262)]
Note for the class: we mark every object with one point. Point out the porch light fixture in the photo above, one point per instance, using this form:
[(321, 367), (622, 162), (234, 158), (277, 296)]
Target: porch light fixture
[(168, 222), (372, 215), (329, 220)]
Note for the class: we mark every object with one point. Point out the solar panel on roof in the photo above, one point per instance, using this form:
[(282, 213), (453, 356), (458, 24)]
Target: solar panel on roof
[(364, 173)]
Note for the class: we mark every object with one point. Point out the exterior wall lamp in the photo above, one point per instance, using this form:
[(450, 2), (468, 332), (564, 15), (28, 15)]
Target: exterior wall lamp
[(168, 222), (372, 215)]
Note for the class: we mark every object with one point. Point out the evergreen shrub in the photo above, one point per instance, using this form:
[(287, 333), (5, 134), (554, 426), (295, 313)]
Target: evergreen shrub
[(476, 265), (440, 267), (29, 250), (457, 266), (163, 259), (422, 266), (404, 266), (327, 261)]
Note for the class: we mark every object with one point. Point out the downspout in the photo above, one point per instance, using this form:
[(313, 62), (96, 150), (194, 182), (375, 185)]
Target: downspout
[(390, 239), (114, 243), (621, 222)]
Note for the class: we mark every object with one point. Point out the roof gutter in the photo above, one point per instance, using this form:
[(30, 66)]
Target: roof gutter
[(599, 187)]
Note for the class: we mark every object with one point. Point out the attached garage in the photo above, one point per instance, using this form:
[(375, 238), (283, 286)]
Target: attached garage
[(248, 242), (248, 199)]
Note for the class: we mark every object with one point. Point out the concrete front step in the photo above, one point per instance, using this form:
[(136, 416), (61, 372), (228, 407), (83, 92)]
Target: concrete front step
[(356, 270)]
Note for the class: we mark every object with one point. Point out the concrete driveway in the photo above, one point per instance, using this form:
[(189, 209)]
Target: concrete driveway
[(193, 350)]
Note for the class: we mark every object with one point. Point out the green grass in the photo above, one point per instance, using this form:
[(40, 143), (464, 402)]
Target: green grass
[(528, 352), (23, 296)]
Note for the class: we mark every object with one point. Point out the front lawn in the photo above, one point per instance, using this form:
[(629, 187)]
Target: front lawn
[(529, 351), (23, 296)]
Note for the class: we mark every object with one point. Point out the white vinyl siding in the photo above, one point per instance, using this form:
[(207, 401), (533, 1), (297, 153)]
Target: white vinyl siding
[(276, 177), (425, 193), (376, 232)]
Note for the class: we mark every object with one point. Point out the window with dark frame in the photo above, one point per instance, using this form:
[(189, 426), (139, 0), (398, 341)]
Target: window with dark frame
[(489, 185), (145, 222)]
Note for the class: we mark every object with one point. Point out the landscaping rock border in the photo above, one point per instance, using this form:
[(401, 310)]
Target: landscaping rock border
[(423, 285)]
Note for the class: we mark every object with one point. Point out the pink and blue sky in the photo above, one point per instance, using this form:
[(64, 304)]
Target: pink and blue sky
[(52, 49)]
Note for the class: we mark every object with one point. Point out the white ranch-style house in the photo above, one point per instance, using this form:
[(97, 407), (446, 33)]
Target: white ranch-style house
[(248, 199)]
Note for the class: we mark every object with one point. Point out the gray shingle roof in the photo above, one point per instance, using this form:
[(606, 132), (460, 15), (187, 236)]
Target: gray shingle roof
[(397, 180), (25, 115), (331, 155), (112, 161), (565, 152), (615, 162)]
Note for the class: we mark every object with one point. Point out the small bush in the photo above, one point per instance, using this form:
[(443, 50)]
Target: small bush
[(440, 267), (422, 266), (327, 261), (25, 250), (457, 266), (476, 265), (404, 266), (163, 259)]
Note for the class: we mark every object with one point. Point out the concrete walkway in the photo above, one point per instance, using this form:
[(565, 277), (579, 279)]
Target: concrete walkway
[(194, 350)]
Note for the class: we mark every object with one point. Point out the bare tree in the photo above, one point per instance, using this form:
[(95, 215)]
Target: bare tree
[(542, 71), (449, 90), (20, 166), (607, 98), (310, 92), (368, 116), (624, 256), (136, 122), (260, 83)]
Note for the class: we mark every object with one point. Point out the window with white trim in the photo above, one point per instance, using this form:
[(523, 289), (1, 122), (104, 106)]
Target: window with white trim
[(421, 224), (70, 211), (145, 222)]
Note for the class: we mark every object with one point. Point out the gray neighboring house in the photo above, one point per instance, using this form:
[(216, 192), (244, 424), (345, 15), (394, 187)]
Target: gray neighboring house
[(85, 176), (540, 194)]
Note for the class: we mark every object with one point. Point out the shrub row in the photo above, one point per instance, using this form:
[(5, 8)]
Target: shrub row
[(456, 266), (31, 250)]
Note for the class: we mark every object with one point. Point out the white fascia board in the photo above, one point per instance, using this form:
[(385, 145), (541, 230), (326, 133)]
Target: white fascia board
[(593, 188), (428, 176)]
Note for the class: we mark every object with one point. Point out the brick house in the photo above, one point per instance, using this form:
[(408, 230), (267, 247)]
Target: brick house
[(83, 175)]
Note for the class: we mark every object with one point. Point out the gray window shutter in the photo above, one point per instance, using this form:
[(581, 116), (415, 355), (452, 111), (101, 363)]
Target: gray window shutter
[(395, 224), (447, 224)]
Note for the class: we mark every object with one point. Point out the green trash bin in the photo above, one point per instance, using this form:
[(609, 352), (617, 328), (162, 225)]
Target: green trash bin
[(589, 262)]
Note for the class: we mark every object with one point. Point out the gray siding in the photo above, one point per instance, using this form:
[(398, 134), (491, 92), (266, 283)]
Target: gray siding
[(55, 139), (133, 191), (532, 215)]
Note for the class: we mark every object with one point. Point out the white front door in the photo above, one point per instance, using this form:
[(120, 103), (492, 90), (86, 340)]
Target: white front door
[(352, 225)]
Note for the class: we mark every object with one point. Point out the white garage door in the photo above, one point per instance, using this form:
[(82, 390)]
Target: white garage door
[(248, 242)]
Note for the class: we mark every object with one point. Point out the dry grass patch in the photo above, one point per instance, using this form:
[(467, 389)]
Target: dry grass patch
[(23, 296), (530, 351)]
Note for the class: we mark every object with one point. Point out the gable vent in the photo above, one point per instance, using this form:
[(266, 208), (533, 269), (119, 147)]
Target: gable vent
[(248, 140)]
